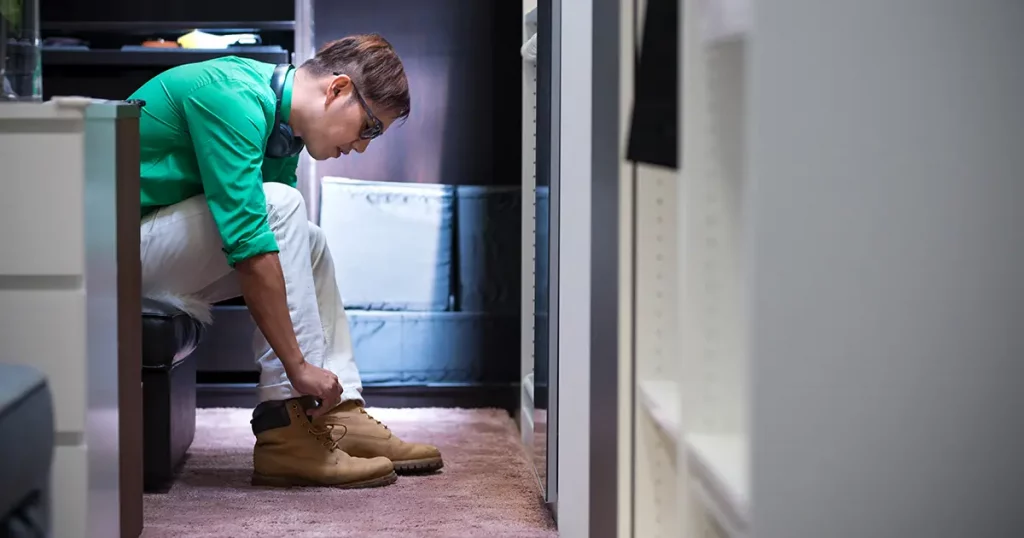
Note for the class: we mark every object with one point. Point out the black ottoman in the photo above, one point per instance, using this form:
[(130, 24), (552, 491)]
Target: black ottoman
[(169, 336), (26, 452)]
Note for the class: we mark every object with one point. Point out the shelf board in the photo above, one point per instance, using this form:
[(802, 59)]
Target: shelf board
[(719, 467), (146, 27), (155, 58), (661, 399)]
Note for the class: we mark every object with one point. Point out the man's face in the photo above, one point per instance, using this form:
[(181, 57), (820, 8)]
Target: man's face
[(346, 123)]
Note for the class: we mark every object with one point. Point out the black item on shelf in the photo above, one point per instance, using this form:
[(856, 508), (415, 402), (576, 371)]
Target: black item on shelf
[(653, 133), (65, 42)]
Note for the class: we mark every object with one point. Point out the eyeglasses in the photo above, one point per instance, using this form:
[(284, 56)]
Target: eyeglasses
[(376, 127)]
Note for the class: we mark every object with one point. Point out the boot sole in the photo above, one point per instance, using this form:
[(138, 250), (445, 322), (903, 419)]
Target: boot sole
[(287, 482), (424, 465)]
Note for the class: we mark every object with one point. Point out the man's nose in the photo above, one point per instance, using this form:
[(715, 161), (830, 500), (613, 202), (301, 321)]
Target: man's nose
[(360, 146)]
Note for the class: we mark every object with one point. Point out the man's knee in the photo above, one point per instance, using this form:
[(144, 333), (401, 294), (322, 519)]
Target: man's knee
[(284, 202)]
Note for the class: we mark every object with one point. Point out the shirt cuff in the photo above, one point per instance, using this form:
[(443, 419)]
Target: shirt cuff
[(260, 244)]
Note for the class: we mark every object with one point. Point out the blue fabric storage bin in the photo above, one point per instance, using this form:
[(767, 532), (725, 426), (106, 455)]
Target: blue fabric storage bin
[(391, 347), (489, 235), (411, 348)]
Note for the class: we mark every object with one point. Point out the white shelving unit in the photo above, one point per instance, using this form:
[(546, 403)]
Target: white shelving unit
[(650, 194), (830, 285), (692, 451), (529, 221), (658, 423), (713, 351)]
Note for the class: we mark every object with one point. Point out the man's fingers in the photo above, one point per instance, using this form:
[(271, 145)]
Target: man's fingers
[(330, 401), (326, 404), (316, 412), (328, 393)]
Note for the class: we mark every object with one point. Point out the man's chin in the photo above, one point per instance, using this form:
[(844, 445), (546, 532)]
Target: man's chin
[(320, 156)]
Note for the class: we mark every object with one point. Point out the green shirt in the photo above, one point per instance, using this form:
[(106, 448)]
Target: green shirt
[(203, 130)]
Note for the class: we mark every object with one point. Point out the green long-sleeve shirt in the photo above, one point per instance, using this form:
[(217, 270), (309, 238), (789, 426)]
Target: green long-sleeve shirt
[(203, 130)]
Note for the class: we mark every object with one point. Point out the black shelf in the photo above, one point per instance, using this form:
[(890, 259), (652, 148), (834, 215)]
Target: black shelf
[(155, 58), (159, 27)]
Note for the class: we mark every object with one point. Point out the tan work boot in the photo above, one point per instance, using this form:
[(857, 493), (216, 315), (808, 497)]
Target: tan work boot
[(291, 451), (365, 437)]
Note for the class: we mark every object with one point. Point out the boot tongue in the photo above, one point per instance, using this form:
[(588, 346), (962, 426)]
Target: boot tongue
[(349, 405)]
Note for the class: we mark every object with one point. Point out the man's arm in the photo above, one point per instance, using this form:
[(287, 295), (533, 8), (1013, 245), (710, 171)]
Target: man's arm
[(225, 123), (262, 281)]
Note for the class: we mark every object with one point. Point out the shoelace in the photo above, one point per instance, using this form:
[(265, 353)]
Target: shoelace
[(363, 411), (325, 436)]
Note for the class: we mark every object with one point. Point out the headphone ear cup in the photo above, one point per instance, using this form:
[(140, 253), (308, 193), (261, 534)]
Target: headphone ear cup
[(278, 142), (283, 143), (285, 131), (273, 145), (284, 140)]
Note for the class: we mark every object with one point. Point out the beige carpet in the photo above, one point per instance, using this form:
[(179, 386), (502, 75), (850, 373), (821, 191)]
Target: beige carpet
[(486, 489)]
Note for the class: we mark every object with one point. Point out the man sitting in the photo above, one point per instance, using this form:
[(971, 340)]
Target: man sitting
[(222, 218)]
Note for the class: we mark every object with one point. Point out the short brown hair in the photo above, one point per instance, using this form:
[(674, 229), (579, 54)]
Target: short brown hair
[(372, 63)]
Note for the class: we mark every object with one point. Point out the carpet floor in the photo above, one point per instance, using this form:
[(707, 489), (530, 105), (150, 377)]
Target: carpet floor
[(487, 488)]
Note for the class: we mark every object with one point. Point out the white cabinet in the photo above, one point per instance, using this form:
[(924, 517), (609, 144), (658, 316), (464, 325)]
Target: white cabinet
[(66, 285)]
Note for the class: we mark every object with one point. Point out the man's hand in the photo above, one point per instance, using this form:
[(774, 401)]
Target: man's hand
[(318, 383)]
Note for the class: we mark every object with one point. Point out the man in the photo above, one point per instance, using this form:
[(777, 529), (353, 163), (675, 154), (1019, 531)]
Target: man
[(222, 219)]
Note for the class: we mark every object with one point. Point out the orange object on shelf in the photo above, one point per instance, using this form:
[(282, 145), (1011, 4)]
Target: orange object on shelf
[(161, 44)]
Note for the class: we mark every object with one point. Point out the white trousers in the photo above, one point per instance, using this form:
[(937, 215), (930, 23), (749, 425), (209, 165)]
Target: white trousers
[(182, 257)]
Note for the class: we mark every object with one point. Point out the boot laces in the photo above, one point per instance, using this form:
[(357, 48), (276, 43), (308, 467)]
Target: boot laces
[(324, 435), (369, 416)]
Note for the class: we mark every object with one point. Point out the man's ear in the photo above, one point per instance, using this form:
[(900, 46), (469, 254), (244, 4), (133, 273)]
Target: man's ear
[(339, 86)]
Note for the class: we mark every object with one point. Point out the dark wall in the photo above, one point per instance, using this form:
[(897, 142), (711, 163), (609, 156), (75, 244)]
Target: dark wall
[(464, 69)]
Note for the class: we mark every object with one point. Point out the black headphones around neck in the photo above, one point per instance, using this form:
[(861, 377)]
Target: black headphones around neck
[(282, 141)]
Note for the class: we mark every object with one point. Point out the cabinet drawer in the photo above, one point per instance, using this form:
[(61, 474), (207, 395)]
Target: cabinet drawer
[(69, 488), (43, 177), (47, 329)]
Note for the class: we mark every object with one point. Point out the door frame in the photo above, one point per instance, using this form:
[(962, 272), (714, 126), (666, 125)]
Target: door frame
[(589, 224)]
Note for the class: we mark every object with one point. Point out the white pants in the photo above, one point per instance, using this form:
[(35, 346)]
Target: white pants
[(182, 257)]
